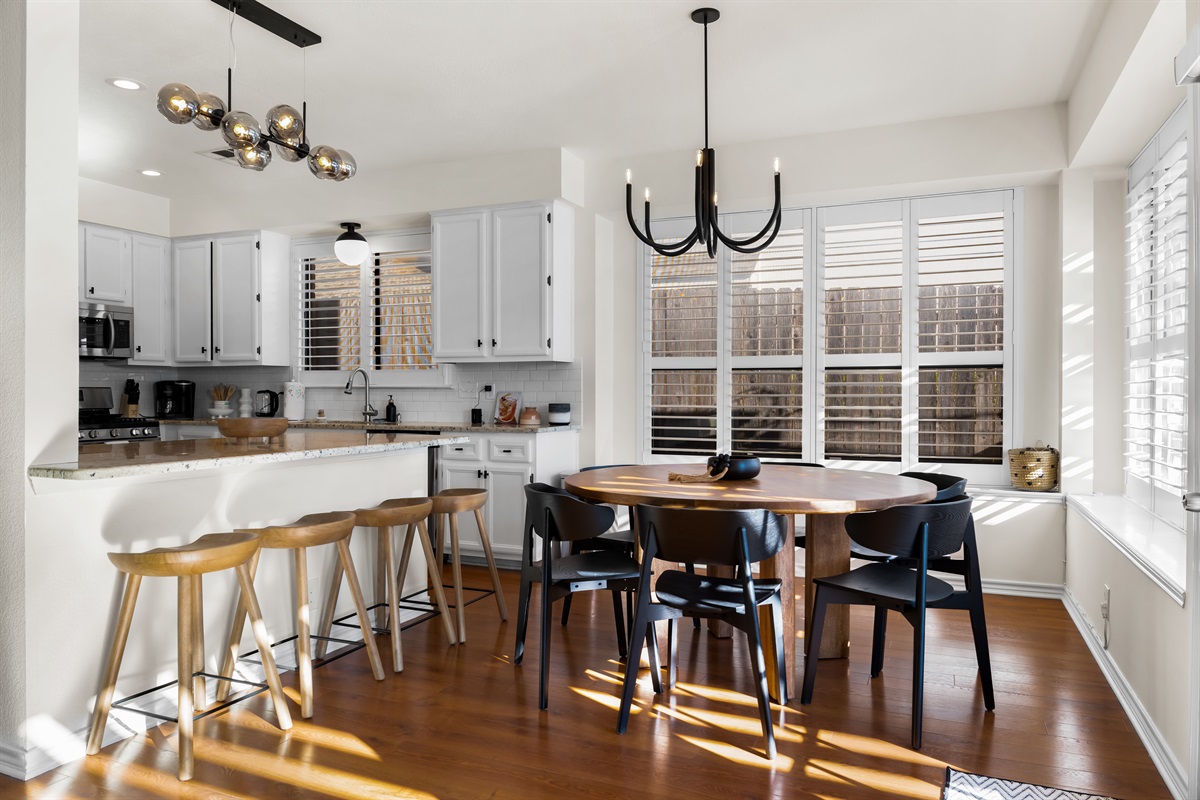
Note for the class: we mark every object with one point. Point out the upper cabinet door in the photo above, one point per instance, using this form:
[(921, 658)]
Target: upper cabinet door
[(193, 301), (521, 285), (459, 258), (150, 287), (236, 298), (105, 266)]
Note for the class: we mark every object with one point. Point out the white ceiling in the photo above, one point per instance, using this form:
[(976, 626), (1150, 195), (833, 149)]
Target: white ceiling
[(401, 83)]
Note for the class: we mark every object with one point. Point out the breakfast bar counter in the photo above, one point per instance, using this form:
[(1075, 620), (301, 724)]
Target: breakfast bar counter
[(128, 459)]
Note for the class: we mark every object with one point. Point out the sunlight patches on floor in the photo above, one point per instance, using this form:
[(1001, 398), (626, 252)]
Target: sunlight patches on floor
[(728, 722), (605, 699), (605, 677), (333, 782), (876, 748), (152, 780), (739, 755), (888, 784), (719, 695), (304, 731)]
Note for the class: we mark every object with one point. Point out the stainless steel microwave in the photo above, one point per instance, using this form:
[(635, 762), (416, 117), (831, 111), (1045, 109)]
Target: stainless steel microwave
[(105, 331)]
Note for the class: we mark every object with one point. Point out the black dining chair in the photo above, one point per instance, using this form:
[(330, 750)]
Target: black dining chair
[(556, 517), (915, 535), (619, 538), (725, 538)]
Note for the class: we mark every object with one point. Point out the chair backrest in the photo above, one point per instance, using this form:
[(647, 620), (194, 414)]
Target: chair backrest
[(804, 464), (570, 519), (711, 537), (897, 530), (948, 486), (603, 466)]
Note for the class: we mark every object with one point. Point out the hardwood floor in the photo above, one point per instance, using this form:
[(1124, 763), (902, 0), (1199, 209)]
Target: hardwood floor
[(462, 722)]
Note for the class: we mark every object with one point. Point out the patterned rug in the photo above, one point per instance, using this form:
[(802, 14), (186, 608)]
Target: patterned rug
[(965, 786)]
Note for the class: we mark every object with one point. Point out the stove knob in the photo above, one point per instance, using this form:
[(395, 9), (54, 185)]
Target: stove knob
[(93, 434), (82, 434), (114, 433), (141, 431), (135, 431)]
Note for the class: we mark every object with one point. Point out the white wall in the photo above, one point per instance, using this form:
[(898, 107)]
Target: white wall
[(1109, 335), (105, 204)]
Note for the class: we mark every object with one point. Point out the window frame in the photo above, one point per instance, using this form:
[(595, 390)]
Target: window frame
[(440, 376), (814, 361)]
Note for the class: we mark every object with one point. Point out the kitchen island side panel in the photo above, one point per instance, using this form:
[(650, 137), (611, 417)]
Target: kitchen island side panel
[(74, 591)]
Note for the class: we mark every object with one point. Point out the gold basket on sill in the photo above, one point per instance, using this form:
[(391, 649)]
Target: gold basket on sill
[(1034, 468)]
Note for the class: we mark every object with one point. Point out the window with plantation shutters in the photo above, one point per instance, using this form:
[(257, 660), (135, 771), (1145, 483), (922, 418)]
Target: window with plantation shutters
[(1156, 323), (375, 315), (865, 333)]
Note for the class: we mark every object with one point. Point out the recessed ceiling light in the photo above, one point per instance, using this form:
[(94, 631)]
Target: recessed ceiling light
[(151, 173), (125, 83)]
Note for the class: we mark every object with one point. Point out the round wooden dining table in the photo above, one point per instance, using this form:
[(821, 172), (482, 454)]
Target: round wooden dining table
[(824, 496)]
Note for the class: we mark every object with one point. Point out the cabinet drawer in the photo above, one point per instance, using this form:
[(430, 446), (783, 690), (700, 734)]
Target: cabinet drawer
[(510, 451), (465, 451)]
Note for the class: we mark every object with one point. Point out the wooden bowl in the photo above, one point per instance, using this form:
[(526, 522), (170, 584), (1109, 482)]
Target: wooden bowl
[(244, 428)]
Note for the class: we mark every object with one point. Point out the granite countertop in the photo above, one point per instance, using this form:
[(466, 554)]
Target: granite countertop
[(399, 427), (125, 459)]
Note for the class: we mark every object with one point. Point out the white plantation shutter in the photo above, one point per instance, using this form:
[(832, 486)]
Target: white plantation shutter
[(1156, 323), (375, 315)]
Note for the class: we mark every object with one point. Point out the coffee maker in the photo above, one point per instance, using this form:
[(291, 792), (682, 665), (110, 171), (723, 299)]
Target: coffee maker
[(174, 400)]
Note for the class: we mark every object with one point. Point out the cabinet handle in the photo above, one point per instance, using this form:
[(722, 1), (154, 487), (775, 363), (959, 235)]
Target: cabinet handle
[(91, 290), (138, 349), (217, 350), (493, 342), (486, 474), (458, 449), (479, 342), (506, 451), (479, 473), (203, 349)]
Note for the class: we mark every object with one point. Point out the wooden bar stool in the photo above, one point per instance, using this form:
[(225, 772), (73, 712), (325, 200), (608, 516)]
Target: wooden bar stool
[(389, 514), (210, 553), (453, 502), (306, 532)]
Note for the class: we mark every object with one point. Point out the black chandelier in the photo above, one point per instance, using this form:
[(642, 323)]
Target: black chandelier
[(706, 230), (286, 127)]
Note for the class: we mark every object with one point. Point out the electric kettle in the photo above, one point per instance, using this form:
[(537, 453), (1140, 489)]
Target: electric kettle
[(266, 403)]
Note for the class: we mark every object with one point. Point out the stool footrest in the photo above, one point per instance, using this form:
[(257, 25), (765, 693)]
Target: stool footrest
[(354, 646), (123, 703), (406, 603)]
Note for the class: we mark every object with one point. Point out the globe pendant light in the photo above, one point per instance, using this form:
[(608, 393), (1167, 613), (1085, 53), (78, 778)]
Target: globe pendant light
[(706, 231), (351, 247)]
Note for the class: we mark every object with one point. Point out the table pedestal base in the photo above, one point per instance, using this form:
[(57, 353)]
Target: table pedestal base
[(827, 553)]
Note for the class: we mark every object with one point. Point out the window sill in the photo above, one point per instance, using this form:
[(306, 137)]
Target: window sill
[(1156, 548)]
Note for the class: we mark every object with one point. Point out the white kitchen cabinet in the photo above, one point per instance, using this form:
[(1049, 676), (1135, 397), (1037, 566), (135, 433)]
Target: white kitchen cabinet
[(150, 293), (503, 463), (231, 300), (104, 265), (503, 283)]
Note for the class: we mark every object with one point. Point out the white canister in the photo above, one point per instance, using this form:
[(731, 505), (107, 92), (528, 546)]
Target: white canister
[(559, 414), (293, 400)]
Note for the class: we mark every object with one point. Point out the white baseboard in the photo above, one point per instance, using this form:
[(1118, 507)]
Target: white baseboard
[(1169, 768), (12, 760)]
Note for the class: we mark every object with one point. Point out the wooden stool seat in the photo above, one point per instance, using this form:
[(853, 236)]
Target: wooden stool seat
[(212, 552), (452, 502), (308, 531), (187, 563), (389, 586)]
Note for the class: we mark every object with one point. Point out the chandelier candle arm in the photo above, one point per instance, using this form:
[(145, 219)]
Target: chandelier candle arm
[(707, 229)]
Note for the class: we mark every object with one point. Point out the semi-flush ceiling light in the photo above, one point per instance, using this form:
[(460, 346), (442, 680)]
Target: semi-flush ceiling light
[(706, 231), (124, 83), (286, 127), (351, 247), (151, 173)]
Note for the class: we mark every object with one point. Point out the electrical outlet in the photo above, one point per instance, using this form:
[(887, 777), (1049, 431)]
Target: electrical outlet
[(467, 391), (488, 392)]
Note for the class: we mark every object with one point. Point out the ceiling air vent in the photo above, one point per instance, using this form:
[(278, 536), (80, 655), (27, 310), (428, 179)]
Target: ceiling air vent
[(220, 154)]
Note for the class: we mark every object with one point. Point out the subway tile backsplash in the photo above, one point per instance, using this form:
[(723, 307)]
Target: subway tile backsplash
[(540, 383)]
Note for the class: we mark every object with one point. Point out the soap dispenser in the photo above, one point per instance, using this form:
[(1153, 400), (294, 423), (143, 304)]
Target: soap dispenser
[(389, 411)]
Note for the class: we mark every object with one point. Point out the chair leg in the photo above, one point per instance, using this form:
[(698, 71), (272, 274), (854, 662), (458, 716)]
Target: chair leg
[(491, 562), (544, 658), (878, 639), (187, 651), (237, 628), (672, 653), (435, 583), (656, 681), (918, 687), (982, 655), (111, 669), (566, 612), (393, 595), (360, 606), (618, 617), (639, 632), (811, 660), (381, 614), (460, 615), (303, 634), (250, 602), (522, 619), (199, 684), (754, 641), (405, 557), (327, 613)]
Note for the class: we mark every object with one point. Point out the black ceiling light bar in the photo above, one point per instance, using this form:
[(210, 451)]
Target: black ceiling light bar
[(273, 21), (706, 231)]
